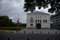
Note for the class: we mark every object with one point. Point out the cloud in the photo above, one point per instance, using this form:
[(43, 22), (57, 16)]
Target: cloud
[(14, 9)]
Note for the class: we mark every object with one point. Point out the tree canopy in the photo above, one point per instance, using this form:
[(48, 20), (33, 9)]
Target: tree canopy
[(30, 5), (5, 21)]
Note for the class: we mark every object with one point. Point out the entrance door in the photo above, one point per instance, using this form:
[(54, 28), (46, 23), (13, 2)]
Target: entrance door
[(38, 26)]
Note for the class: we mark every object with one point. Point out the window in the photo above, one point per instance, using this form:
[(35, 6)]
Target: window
[(38, 16), (36, 21), (39, 21), (45, 21), (31, 20), (31, 24)]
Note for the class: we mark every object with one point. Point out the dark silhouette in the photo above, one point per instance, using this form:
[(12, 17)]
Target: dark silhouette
[(28, 39), (5, 21), (8, 38), (30, 5)]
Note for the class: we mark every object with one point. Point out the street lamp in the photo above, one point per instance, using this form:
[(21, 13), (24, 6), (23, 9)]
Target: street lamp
[(17, 28)]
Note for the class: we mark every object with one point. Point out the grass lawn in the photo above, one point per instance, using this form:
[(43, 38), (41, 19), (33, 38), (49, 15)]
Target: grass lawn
[(10, 29)]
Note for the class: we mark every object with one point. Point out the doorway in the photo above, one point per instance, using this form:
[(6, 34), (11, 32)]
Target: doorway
[(38, 26)]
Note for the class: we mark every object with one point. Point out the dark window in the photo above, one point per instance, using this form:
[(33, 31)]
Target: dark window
[(38, 16), (31, 24), (40, 21), (45, 21), (36, 21), (31, 20)]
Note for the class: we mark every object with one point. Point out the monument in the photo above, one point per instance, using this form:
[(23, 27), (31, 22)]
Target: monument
[(38, 28), (38, 20)]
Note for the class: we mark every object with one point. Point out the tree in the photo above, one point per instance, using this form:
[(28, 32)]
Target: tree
[(5, 21), (30, 5)]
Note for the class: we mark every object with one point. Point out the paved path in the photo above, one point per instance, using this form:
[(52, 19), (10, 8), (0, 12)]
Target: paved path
[(40, 31), (23, 36)]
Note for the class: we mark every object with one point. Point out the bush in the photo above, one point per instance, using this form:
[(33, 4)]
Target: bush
[(9, 28)]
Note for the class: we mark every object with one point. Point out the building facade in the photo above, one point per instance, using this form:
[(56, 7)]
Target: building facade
[(56, 21), (38, 20)]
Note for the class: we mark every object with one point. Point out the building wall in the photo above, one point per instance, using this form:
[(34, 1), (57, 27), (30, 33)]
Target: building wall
[(38, 17), (46, 25), (56, 21)]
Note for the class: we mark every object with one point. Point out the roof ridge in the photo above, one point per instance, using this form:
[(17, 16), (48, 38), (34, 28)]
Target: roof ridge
[(38, 12)]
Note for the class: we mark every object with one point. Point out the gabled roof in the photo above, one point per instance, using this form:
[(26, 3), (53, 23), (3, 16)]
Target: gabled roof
[(38, 13)]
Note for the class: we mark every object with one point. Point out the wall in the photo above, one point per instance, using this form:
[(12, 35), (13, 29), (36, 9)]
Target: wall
[(41, 17)]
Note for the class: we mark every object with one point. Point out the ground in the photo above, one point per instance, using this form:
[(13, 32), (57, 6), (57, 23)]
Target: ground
[(35, 36)]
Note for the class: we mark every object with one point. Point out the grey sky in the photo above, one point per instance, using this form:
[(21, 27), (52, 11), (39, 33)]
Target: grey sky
[(14, 9)]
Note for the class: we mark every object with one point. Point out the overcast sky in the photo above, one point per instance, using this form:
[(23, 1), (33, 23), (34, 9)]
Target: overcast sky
[(14, 9)]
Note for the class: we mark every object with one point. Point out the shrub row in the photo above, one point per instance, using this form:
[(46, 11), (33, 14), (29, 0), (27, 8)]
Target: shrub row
[(9, 28)]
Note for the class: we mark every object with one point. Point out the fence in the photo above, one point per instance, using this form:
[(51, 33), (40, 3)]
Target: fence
[(19, 36)]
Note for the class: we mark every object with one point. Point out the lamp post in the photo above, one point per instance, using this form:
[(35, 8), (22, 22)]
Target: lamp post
[(17, 28)]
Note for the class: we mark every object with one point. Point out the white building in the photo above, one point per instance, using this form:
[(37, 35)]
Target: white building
[(38, 20)]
